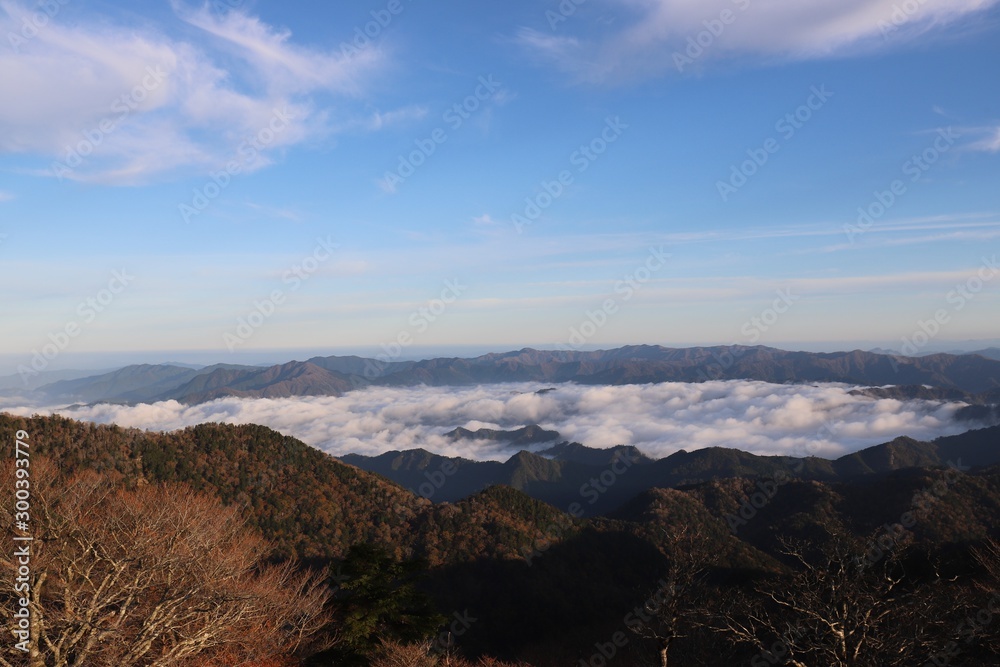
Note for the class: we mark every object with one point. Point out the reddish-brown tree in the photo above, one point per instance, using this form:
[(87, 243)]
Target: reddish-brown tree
[(159, 576)]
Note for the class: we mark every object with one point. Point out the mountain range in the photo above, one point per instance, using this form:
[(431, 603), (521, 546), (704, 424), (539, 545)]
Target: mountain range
[(601, 480), (966, 375), (541, 581)]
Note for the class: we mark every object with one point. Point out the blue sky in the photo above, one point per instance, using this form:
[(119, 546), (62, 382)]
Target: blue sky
[(265, 176)]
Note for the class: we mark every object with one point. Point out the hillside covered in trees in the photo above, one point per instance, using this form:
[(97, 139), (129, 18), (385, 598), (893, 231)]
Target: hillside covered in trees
[(894, 568)]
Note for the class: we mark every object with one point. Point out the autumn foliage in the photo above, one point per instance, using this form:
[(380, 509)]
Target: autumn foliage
[(158, 575)]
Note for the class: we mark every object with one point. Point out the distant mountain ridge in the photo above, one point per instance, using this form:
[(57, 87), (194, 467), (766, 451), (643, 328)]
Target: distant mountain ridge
[(930, 393), (983, 408), (527, 435), (606, 478), (136, 383), (634, 364)]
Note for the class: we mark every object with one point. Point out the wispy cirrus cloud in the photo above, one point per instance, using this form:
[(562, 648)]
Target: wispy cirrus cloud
[(988, 141), (269, 53), (123, 105), (754, 29), (378, 119)]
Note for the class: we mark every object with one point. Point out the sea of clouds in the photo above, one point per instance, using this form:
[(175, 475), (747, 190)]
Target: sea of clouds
[(798, 420)]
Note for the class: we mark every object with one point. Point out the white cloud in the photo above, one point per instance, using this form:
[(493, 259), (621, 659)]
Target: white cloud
[(134, 104), (990, 141), (377, 120), (275, 212), (659, 418), (6, 196), (752, 28), (284, 67)]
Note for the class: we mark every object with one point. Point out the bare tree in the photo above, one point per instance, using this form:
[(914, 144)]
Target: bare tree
[(989, 557), (670, 610), (838, 609), (159, 576), (984, 624), (395, 654)]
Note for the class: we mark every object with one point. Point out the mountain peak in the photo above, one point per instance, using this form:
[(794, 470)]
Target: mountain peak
[(526, 435)]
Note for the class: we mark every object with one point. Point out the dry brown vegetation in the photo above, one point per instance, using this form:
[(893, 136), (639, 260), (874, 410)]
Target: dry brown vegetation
[(159, 575)]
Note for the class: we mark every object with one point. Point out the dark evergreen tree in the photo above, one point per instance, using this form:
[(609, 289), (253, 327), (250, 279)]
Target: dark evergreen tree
[(378, 599)]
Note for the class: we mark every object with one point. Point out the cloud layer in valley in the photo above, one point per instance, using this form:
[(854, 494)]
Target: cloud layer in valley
[(822, 420)]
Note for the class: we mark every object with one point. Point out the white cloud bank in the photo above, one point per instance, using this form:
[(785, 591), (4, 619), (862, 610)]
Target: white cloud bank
[(766, 29), (120, 105), (659, 419)]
